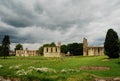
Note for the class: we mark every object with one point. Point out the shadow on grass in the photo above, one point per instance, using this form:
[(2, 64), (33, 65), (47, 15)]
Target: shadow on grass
[(118, 62)]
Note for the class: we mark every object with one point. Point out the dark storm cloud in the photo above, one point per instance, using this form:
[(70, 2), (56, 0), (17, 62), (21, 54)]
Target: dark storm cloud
[(15, 13), (18, 14), (40, 21)]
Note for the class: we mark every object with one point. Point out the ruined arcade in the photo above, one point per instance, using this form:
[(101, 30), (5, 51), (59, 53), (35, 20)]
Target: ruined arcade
[(92, 50)]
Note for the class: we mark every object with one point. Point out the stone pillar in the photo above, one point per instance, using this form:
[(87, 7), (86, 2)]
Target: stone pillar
[(49, 49), (58, 50), (59, 44), (54, 49), (102, 51), (96, 51), (17, 53), (91, 51), (45, 50), (25, 54), (85, 46)]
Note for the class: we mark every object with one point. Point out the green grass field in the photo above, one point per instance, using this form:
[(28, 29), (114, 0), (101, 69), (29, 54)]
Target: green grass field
[(57, 69)]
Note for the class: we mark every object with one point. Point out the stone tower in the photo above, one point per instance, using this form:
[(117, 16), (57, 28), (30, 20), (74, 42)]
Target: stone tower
[(59, 44), (85, 45), (59, 47)]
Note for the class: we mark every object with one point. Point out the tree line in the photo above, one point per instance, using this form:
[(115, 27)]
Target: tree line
[(111, 46), (72, 48)]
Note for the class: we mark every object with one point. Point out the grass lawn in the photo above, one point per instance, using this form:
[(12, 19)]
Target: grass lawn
[(57, 69)]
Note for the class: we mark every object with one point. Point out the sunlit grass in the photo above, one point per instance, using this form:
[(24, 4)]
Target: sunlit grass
[(70, 64)]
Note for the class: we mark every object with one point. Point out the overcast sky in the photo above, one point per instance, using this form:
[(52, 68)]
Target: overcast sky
[(35, 22)]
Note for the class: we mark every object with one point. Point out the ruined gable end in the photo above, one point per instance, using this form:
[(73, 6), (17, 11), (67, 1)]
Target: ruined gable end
[(92, 50)]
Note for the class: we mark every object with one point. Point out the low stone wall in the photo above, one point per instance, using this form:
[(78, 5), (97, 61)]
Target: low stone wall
[(95, 68)]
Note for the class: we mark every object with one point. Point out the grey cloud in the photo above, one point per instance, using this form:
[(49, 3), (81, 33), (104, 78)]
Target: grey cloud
[(65, 20), (38, 8), (56, 16)]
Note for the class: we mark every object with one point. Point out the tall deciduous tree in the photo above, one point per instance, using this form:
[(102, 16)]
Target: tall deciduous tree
[(64, 49), (111, 44), (5, 46), (75, 48), (18, 47), (41, 50)]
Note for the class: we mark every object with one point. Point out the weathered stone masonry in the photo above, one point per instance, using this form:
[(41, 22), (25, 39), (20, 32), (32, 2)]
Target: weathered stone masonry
[(56, 51), (53, 51), (27, 53), (92, 50)]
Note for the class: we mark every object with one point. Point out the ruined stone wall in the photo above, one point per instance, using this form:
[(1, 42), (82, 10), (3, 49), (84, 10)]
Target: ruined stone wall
[(52, 52), (27, 53), (90, 50), (95, 51)]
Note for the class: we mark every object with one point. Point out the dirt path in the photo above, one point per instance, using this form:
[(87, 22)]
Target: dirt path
[(107, 79)]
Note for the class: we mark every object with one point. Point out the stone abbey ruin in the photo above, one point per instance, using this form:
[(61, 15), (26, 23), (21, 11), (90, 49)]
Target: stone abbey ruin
[(27, 52), (92, 50), (56, 51), (53, 51)]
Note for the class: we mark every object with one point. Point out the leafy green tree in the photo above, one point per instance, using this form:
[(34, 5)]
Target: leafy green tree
[(111, 44), (80, 48), (64, 49), (18, 47), (41, 50), (5, 46), (52, 44), (49, 45), (75, 48)]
